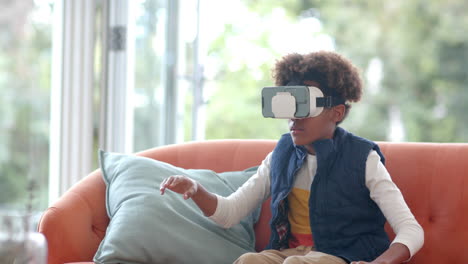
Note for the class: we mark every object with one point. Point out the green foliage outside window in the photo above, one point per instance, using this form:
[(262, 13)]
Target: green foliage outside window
[(25, 63), (420, 47), (415, 51)]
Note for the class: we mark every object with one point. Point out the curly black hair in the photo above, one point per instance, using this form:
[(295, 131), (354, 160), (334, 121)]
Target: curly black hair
[(336, 75)]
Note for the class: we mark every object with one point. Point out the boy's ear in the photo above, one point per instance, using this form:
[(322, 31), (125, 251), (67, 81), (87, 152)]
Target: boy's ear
[(338, 113)]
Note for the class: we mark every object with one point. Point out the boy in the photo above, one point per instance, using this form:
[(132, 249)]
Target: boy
[(330, 190)]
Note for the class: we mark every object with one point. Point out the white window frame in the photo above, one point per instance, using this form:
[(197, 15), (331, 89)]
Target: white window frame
[(71, 121), (116, 124), (71, 128)]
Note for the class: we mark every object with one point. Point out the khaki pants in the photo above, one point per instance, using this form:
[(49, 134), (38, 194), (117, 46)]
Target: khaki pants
[(299, 255)]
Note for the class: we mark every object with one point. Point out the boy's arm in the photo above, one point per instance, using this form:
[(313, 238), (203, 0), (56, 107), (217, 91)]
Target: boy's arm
[(225, 211), (396, 253), (232, 209), (385, 193), (205, 200)]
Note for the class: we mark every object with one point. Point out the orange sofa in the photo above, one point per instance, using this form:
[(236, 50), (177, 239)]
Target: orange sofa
[(433, 177)]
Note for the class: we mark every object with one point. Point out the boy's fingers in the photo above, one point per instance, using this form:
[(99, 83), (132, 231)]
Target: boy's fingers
[(163, 183), (177, 183), (189, 193), (169, 181), (177, 179), (162, 186), (166, 183)]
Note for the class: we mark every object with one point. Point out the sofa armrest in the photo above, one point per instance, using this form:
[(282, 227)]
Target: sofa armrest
[(75, 225)]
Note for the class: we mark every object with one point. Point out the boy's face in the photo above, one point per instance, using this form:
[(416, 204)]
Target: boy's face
[(307, 130)]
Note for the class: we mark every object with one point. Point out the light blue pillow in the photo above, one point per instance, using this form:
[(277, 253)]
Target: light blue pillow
[(147, 227)]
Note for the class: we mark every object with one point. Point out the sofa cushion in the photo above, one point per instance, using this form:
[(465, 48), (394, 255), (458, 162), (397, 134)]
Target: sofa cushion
[(147, 227)]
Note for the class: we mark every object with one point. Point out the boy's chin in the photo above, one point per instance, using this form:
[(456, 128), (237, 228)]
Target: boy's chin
[(300, 142)]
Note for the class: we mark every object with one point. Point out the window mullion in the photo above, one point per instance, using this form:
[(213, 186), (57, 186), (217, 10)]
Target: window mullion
[(71, 93), (116, 107)]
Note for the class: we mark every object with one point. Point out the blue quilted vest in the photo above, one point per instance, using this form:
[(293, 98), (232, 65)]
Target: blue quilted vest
[(345, 221)]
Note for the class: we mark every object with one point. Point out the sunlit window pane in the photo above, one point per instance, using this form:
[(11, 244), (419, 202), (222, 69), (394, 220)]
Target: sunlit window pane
[(25, 63), (148, 98), (412, 54)]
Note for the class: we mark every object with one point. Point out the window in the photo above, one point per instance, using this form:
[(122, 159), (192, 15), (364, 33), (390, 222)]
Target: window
[(194, 69), (413, 56), (25, 70), (150, 20)]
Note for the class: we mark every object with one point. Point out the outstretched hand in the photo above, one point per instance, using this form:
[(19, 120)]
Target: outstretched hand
[(179, 184)]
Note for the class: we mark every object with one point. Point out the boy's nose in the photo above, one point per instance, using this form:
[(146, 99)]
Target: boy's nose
[(295, 119)]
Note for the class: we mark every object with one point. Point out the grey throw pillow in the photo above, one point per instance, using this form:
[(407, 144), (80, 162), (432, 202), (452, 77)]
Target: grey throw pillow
[(146, 227)]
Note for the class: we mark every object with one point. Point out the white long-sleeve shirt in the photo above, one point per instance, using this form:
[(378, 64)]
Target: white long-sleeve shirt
[(230, 210)]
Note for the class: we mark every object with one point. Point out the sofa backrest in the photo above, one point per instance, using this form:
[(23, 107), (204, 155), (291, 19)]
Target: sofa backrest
[(75, 224), (432, 177)]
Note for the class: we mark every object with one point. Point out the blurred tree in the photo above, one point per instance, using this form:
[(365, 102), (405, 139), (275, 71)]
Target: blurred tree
[(413, 55), (148, 66), (424, 57), (25, 62), (241, 59)]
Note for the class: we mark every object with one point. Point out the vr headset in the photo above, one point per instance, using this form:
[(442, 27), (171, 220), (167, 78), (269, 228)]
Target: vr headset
[(293, 102)]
